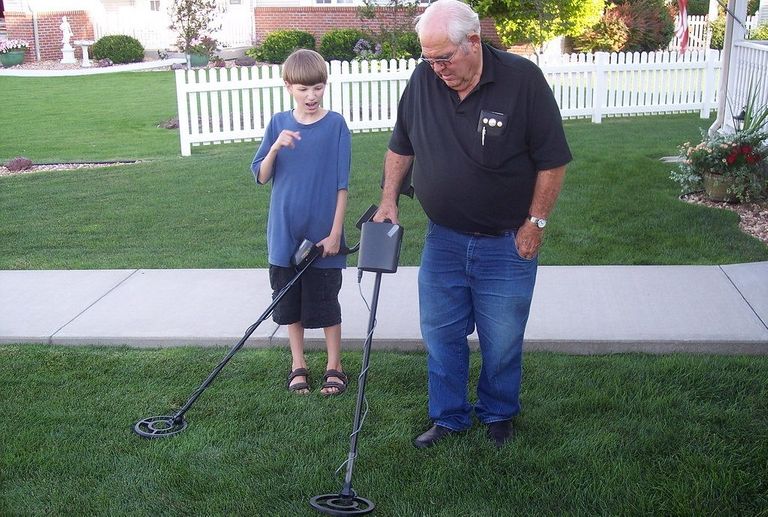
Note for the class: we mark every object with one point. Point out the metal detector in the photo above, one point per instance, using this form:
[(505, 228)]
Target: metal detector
[(169, 425), (379, 253)]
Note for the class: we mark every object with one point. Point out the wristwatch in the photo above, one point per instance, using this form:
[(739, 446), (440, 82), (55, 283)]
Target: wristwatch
[(538, 221)]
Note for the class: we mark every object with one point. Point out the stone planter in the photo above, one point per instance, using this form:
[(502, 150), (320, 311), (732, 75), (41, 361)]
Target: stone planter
[(716, 187), (12, 58)]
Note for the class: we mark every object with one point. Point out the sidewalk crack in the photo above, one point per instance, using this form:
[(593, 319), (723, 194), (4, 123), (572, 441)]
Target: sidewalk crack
[(97, 300), (765, 324)]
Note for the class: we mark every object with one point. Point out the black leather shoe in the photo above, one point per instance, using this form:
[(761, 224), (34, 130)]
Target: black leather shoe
[(431, 436), (500, 432)]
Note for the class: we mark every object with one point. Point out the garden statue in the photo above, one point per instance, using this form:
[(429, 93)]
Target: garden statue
[(68, 53), (66, 31)]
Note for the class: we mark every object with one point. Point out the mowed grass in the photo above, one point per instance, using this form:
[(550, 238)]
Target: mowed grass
[(629, 434), (618, 205)]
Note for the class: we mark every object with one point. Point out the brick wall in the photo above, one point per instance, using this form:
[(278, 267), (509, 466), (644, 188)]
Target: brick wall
[(20, 26), (318, 20)]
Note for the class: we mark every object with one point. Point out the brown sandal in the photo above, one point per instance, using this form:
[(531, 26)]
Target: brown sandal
[(340, 386), (298, 372)]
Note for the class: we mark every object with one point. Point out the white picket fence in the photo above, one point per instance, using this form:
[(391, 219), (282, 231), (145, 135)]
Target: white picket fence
[(749, 78), (235, 104), (700, 33)]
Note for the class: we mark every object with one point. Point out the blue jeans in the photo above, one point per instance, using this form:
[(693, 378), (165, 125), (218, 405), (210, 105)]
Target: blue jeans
[(467, 281)]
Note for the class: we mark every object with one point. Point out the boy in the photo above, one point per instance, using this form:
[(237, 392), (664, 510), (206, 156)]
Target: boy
[(306, 153)]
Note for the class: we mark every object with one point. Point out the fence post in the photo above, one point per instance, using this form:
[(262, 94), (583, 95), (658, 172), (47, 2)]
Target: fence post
[(183, 106), (709, 87), (334, 81), (599, 93)]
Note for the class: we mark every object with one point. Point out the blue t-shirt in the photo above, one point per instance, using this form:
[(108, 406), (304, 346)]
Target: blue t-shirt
[(305, 184)]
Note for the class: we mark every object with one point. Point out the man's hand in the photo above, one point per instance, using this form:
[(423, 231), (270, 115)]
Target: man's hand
[(528, 240), (387, 211)]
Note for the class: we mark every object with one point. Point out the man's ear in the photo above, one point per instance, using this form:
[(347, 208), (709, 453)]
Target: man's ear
[(474, 39)]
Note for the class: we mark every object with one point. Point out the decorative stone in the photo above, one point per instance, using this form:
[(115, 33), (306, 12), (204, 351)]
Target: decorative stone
[(245, 61)]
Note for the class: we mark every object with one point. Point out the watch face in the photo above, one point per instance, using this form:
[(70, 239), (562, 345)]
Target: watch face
[(541, 223)]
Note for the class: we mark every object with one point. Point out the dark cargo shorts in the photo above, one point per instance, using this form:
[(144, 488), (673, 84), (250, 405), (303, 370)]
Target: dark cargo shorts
[(313, 300)]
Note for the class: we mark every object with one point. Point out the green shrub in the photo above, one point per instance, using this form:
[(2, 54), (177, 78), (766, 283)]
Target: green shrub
[(400, 45), (698, 7), (278, 45), (118, 48), (609, 35), (718, 33), (339, 44), (760, 32)]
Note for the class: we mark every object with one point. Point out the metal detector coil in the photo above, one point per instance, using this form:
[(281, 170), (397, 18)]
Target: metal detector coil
[(159, 426)]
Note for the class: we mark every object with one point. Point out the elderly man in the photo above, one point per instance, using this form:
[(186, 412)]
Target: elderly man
[(490, 156)]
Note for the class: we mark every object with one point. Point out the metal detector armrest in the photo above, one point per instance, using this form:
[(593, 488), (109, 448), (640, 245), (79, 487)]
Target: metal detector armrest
[(367, 216)]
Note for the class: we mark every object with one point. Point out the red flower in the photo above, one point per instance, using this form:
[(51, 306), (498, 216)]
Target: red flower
[(746, 149), (752, 158), (731, 158)]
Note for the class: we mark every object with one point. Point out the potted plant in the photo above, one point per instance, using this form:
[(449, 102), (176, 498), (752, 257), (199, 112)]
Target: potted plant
[(193, 20), (729, 166), (201, 50), (12, 52)]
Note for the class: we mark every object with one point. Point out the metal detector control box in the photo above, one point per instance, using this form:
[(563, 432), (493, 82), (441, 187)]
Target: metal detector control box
[(380, 247)]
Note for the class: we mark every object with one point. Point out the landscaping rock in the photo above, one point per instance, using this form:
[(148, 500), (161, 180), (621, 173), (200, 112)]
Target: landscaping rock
[(245, 61), (171, 123)]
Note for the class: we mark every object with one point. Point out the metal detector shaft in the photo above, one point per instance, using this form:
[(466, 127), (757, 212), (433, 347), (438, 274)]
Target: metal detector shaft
[(347, 489), (180, 414)]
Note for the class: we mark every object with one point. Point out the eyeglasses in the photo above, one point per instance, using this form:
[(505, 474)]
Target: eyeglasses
[(444, 61)]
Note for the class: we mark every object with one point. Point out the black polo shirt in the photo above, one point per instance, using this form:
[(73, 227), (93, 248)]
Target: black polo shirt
[(467, 180)]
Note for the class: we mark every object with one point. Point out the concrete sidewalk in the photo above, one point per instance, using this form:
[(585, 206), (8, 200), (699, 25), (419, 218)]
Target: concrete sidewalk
[(576, 309)]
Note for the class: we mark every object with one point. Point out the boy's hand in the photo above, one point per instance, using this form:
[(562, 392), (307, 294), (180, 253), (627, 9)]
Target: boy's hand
[(331, 245), (286, 138)]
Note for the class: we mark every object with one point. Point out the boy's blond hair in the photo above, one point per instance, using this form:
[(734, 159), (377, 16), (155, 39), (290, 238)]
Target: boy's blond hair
[(305, 67)]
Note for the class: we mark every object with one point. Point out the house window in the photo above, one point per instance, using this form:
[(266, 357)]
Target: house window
[(235, 2), (154, 5)]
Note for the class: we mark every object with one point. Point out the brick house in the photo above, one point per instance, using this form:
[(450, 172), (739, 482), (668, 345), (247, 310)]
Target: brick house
[(243, 22)]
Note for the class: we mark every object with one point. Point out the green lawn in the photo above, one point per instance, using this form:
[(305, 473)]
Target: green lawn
[(598, 435), (618, 205)]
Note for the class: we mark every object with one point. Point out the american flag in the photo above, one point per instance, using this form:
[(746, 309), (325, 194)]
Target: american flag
[(681, 31)]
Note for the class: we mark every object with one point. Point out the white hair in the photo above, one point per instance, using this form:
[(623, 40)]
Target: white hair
[(462, 21)]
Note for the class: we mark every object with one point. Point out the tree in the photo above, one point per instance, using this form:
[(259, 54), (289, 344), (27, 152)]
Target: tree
[(537, 21), (192, 19)]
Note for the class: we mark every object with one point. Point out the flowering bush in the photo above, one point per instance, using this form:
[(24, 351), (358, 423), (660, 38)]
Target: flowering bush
[(740, 156), (204, 46), (9, 45), (364, 49), (190, 19)]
